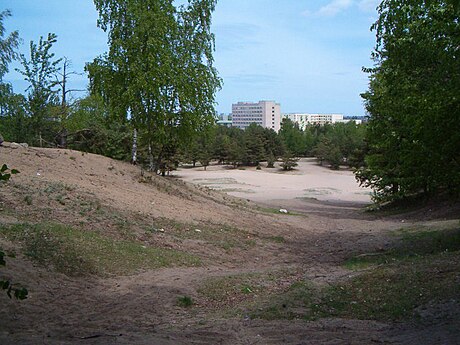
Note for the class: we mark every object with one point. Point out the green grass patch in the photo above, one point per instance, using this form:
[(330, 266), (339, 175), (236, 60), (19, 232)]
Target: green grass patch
[(236, 295), (423, 268), (237, 287), (413, 245), (224, 236), (395, 291), (295, 303), (75, 252), (185, 301)]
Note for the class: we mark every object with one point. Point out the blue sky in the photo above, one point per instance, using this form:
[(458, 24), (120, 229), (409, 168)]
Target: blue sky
[(305, 54)]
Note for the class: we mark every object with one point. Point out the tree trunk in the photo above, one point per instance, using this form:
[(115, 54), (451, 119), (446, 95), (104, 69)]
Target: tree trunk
[(151, 164), (134, 151), (63, 138)]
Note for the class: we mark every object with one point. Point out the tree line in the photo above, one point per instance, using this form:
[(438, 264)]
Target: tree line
[(255, 144)]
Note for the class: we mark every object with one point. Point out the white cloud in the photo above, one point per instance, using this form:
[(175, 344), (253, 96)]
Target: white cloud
[(334, 7)]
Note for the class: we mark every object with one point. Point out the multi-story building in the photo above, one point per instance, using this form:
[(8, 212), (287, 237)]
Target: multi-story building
[(303, 119), (264, 113)]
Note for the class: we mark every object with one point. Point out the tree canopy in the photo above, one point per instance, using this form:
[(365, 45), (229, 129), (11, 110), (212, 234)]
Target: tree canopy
[(413, 101), (158, 72)]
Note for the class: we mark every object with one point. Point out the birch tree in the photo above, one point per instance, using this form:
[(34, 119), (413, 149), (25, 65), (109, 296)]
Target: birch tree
[(159, 70)]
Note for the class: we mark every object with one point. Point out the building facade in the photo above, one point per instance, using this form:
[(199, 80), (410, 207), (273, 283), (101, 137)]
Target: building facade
[(224, 120), (304, 119), (264, 113)]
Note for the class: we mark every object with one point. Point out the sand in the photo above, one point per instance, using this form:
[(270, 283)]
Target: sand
[(308, 180)]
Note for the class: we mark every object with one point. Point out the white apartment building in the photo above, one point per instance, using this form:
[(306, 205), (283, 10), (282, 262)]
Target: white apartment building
[(304, 119), (264, 113)]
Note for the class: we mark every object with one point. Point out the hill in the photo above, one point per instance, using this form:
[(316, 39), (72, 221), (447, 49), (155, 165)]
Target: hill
[(111, 254)]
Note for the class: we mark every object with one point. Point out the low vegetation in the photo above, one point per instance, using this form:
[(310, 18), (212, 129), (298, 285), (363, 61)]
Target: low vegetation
[(389, 285), (76, 252)]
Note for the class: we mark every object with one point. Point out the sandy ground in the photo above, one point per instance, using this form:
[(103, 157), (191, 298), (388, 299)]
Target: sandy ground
[(308, 181), (141, 308)]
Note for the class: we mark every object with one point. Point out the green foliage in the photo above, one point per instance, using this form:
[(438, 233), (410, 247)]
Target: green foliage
[(18, 292), (11, 289), (254, 144), (8, 45), (185, 301), (336, 144), (293, 137), (271, 160), (77, 252), (414, 133), (90, 129), (159, 70), (11, 105), (421, 269), (40, 72), (289, 162), (5, 173)]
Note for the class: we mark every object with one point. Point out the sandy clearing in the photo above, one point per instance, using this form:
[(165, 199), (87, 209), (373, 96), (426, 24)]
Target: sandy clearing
[(308, 180)]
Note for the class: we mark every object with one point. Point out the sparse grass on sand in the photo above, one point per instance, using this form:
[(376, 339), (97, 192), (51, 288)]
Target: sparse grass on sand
[(423, 268), (76, 252)]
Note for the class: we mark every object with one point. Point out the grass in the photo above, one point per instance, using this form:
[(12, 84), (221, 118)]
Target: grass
[(185, 301), (424, 268), (413, 244), (231, 294), (223, 236), (75, 252)]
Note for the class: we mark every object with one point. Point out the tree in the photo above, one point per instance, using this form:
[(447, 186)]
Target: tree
[(62, 79), (8, 45), (288, 161), (292, 136), (413, 132), (40, 71), (254, 144), (159, 69)]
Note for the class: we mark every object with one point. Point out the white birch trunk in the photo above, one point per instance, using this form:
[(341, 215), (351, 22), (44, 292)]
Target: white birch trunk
[(134, 151)]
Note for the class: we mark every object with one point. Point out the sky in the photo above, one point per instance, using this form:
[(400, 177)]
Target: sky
[(306, 55)]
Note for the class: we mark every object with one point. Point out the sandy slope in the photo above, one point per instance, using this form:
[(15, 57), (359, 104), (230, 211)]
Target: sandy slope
[(141, 308)]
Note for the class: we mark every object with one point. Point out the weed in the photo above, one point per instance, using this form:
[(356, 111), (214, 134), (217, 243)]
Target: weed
[(28, 200), (185, 301)]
